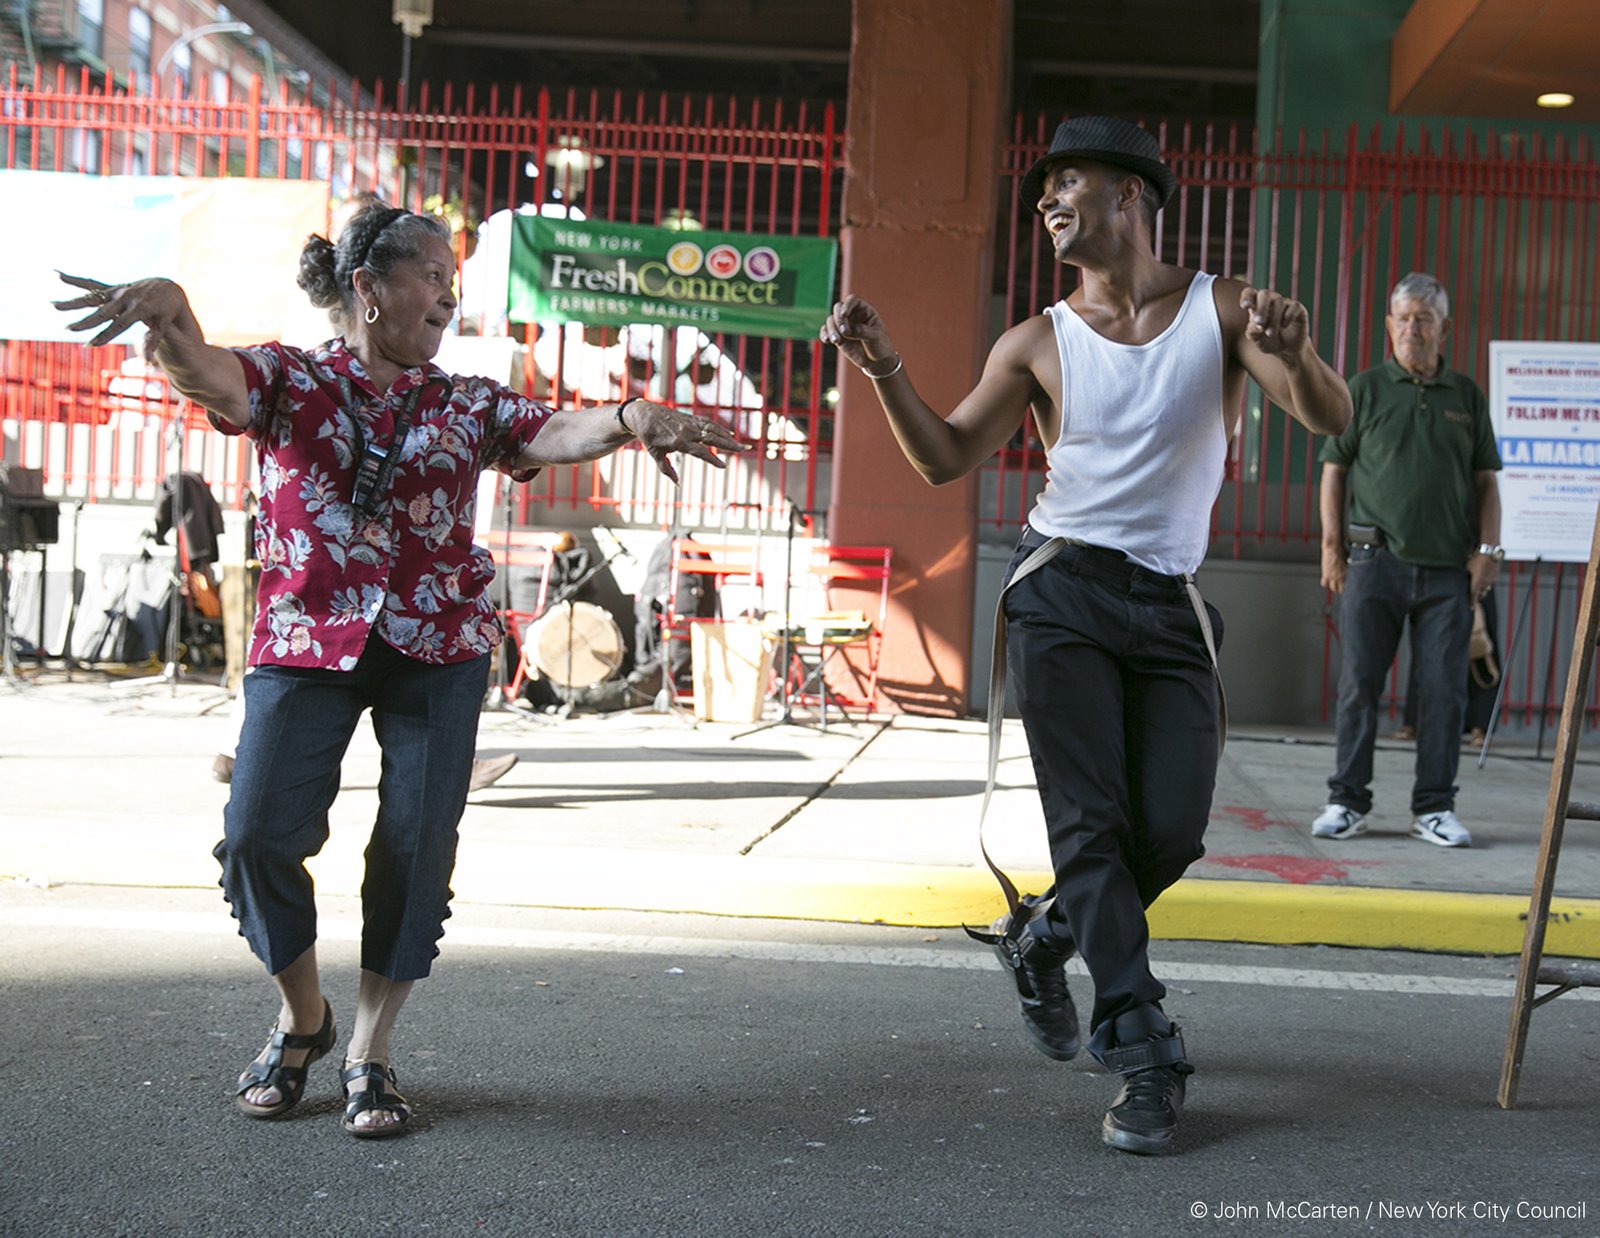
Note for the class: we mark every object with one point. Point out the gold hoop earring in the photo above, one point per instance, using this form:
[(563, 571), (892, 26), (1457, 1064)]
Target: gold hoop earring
[(371, 316)]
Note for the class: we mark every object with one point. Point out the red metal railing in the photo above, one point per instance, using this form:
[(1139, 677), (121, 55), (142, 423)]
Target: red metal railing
[(726, 165), (1512, 226)]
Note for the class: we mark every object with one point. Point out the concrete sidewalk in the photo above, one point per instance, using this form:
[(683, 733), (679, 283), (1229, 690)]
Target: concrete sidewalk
[(109, 783)]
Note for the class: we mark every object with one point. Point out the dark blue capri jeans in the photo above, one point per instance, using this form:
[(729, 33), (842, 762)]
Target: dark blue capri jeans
[(297, 726), (1119, 700)]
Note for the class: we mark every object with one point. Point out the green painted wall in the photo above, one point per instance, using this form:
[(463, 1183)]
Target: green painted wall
[(1324, 65), (1324, 68)]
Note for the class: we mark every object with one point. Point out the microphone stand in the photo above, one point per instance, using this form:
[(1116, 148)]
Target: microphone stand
[(74, 596), (786, 716), (172, 671), (499, 697), (180, 574), (569, 590), (8, 668)]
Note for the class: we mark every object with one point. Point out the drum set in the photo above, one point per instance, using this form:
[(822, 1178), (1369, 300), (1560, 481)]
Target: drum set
[(572, 649), (575, 645)]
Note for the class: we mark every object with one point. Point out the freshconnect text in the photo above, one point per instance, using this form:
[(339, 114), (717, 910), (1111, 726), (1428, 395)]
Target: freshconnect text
[(654, 279)]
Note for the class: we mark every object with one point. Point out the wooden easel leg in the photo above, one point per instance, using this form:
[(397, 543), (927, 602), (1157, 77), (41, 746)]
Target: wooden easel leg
[(1555, 818)]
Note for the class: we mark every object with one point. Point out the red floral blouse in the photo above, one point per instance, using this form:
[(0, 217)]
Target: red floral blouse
[(330, 573)]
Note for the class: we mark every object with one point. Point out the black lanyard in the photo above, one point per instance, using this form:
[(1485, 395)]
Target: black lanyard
[(375, 466)]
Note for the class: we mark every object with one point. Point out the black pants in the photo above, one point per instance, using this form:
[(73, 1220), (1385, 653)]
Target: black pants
[(1119, 701), (1381, 594), (1480, 696)]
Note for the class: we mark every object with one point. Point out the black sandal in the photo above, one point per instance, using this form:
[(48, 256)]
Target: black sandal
[(378, 1094), (289, 1080)]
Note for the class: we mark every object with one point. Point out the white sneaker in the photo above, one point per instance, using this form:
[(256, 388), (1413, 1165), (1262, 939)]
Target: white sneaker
[(1337, 821), (1442, 829)]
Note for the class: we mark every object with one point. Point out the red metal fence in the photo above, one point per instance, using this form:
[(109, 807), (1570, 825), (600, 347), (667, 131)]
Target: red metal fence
[(1512, 226), (717, 164)]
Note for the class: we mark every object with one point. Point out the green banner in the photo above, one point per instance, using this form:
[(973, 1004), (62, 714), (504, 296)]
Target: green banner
[(607, 274)]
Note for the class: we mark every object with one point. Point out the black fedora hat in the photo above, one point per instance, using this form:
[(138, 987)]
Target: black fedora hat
[(1105, 140)]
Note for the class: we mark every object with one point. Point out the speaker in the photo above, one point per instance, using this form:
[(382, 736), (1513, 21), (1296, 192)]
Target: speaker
[(38, 524), (27, 518)]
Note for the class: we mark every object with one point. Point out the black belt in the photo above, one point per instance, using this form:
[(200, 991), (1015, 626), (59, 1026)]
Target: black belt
[(1105, 563)]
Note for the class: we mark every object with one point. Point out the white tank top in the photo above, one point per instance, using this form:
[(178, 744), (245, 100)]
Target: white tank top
[(1138, 463)]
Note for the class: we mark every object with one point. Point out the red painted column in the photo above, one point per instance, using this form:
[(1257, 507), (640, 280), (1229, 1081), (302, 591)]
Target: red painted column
[(928, 80)]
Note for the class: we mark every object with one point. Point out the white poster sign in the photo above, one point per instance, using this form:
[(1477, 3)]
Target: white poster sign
[(233, 243), (1545, 400)]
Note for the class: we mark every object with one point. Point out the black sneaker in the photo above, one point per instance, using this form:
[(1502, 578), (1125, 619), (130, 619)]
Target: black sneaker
[(1153, 1071), (1038, 965)]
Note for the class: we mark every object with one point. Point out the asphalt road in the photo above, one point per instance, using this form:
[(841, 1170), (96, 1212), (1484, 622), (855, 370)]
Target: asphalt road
[(613, 1074)]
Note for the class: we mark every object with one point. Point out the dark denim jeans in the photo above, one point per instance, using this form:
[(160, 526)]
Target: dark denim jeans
[(297, 726), (1119, 701), (1380, 594)]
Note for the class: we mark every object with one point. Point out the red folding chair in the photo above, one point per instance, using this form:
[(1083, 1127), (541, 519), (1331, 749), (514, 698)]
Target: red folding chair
[(846, 575)]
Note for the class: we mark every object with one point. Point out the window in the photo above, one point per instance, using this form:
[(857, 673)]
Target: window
[(182, 68), (219, 85), (138, 42), (91, 26), (83, 151)]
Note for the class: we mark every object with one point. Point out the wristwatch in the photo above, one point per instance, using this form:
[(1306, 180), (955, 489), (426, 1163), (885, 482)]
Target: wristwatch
[(1495, 552)]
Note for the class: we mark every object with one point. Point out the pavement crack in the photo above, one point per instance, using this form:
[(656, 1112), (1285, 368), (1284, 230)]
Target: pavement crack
[(817, 793)]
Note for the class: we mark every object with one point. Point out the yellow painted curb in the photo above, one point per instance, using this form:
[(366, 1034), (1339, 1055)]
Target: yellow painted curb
[(747, 886), (1200, 910), (515, 873)]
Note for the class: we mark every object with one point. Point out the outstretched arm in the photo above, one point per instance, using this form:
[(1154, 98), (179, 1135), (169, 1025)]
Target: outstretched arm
[(209, 376), (576, 435), (1270, 337), (942, 449)]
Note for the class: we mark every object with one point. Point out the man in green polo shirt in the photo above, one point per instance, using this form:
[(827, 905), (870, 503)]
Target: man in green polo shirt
[(1420, 542)]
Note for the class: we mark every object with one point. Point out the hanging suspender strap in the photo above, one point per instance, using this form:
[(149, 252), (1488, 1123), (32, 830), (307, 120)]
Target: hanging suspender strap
[(997, 699), (997, 704), (1200, 613)]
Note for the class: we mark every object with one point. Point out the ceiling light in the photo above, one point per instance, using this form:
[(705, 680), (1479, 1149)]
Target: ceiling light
[(413, 16), (1554, 98)]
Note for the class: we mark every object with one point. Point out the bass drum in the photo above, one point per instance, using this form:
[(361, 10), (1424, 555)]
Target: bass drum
[(573, 645)]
